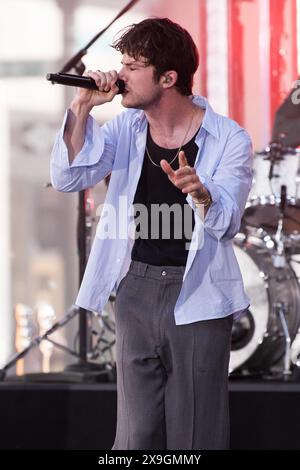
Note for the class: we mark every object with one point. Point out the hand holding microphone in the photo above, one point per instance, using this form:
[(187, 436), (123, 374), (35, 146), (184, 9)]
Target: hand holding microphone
[(107, 89), (94, 88)]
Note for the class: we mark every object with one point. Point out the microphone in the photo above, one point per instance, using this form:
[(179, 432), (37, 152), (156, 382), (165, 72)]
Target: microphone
[(276, 152), (79, 81), (282, 198)]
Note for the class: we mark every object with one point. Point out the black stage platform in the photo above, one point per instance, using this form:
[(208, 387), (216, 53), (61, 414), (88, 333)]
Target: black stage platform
[(264, 415)]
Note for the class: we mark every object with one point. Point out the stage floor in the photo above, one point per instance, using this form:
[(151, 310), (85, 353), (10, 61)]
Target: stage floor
[(264, 415)]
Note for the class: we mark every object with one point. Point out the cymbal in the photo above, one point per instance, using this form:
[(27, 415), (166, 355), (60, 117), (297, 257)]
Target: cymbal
[(278, 151)]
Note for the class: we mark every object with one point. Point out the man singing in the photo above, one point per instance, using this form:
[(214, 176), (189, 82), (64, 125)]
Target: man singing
[(180, 175)]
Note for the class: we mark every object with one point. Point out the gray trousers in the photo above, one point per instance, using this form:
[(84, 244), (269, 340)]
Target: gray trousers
[(172, 379)]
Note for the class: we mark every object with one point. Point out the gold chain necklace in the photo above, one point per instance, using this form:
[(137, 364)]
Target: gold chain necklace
[(177, 153)]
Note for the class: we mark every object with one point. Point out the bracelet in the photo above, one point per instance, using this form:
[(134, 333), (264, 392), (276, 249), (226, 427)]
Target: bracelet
[(203, 202)]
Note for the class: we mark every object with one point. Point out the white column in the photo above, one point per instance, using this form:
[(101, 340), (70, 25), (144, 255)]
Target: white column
[(264, 71), (217, 55)]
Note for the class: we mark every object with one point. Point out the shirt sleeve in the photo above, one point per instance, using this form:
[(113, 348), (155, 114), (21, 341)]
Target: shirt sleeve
[(229, 187), (91, 164)]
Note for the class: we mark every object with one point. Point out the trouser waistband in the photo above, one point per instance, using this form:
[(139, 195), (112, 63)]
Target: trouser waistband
[(157, 272)]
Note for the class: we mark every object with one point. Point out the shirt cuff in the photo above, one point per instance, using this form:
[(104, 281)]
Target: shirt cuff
[(215, 197), (93, 145), (91, 150)]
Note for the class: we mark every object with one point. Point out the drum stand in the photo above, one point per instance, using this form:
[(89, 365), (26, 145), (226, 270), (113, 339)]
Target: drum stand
[(279, 259), (281, 309), (275, 156)]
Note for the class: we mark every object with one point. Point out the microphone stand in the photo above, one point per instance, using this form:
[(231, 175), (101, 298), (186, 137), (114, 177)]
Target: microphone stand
[(84, 218), (275, 156), (84, 222), (75, 61), (84, 229), (83, 370)]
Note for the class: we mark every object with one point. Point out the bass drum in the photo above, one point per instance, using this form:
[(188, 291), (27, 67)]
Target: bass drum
[(257, 337)]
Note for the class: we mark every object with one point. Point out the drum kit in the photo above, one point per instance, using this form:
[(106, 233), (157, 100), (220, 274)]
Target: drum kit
[(266, 340)]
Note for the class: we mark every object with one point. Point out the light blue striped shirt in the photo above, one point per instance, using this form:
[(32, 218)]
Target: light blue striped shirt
[(212, 284)]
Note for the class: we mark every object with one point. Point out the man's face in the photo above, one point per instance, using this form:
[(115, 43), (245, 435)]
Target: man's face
[(141, 91)]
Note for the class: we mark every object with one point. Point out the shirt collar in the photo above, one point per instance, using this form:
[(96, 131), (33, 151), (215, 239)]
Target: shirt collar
[(138, 119), (210, 121)]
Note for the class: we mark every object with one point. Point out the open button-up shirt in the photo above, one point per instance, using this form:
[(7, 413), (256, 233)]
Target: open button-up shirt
[(212, 285)]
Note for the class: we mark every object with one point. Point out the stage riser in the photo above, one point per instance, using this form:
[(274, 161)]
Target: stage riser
[(83, 417)]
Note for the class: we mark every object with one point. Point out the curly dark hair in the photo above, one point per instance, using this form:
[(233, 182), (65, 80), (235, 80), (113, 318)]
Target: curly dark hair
[(165, 45)]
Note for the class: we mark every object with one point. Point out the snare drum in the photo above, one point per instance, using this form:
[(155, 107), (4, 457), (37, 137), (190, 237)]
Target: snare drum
[(264, 212)]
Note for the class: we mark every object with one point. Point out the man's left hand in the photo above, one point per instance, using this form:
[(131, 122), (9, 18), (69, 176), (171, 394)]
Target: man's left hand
[(185, 178)]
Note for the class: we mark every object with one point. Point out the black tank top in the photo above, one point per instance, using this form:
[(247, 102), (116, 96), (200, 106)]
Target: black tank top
[(153, 244)]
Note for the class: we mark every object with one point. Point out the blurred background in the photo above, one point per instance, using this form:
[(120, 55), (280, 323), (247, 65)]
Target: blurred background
[(249, 59)]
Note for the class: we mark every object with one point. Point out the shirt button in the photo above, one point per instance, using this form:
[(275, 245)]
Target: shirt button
[(164, 273), (118, 260)]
